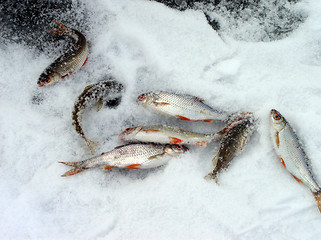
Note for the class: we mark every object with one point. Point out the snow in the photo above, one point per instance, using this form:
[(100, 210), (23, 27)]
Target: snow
[(148, 46)]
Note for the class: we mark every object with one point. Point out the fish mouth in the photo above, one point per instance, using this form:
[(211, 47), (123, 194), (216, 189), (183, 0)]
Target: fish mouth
[(40, 84)]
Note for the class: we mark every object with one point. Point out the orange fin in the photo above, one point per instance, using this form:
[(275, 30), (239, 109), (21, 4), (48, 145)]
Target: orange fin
[(318, 199), (85, 62), (151, 130), (133, 166), (282, 161), (208, 120), (159, 104), (175, 140), (202, 144), (277, 140), (108, 167), (298, 180), (62, 30), (183, 118)]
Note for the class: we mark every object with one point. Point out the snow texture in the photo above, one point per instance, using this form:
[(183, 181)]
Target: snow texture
[(148, 46)]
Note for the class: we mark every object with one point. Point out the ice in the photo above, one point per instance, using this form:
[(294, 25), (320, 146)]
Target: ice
[(148, 46)]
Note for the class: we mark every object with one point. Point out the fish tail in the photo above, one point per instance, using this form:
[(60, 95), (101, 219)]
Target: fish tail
[(77, 168), (91, 144), (215, 136), (317, 196), (62, 30), (212, 176)]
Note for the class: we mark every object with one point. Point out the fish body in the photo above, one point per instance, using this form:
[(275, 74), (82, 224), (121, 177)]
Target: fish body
[(134, 156), (182, 106), (231, 145), (92, 94), (71, 61), (290, 151), (166, 134)]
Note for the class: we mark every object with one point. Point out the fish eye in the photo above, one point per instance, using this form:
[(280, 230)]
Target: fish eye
[(128, 129), (276, 116), (142, 97), (179, 147)]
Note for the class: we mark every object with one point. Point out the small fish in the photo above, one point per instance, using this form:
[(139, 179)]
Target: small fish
[(71, 61), (231, 145), (96, 93), (134, 156), (166, 134), (182, 106), (290, 151)]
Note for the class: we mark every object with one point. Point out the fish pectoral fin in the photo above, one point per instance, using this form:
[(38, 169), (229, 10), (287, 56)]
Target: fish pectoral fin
[(161, 104), (100, 104), (175, 140), (277, 140), (133, 166), (183, 118), (156, 156), (151, 130), (298, 180), (107, 167), (282, 161), (208, 120)]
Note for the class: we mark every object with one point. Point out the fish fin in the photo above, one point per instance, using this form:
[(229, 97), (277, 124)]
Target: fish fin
[(92, 144), (133, 166), (183, 118), (88, 87), (151, 130), (77, 168), (277, 140), (282, 161), (317, 196), (175, 140), (298, 180), (215, 136), (202, 144), (84, 62), (198, 99), (108, 167), (208, 120), (62, 30), (100, 104), (160, 104), (120, 146), (156, 156), (212, 176)]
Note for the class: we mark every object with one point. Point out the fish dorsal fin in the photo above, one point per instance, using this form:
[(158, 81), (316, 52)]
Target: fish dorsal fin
[(100, 104), (157, 155), (88, 87), (198, 99), (120, 146)]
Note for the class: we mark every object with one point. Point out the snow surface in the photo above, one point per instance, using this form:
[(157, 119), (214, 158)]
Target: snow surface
[(148, 46)]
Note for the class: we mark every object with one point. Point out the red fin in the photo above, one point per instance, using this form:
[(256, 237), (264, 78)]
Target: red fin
[(77, 168), (202, 144), (208, 120), (277, 140), (283, 163), (133, 166), (183, 118), (108, 167), (72, 172), (318, 199), (151, 130), (161, 104), (298, 180), (85, 62), (175, 140)]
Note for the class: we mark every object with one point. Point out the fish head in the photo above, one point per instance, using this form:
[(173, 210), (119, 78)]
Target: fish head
[(278, 122), (130, 133), (47, 77), (174, 149), (146, 98)]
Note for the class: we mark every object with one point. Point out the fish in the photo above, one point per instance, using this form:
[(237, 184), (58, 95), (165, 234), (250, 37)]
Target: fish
[(289, 149), (231, 145), (133, 156), (167, 134), (95, 93), (70, 62), (181, 106)]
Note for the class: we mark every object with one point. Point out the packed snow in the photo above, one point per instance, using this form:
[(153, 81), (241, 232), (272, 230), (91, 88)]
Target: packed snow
[(150, 47)]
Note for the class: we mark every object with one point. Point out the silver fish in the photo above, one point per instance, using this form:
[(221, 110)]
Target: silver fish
[(96, 93), (182, 106), (134, 156), (71, 61), (166, 134), (231, 145), (290, 151)]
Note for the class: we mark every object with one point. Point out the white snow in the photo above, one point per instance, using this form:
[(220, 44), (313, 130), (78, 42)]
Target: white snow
[(148, 46)]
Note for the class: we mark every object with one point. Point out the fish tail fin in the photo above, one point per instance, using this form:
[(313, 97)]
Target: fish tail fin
[(212, 176), (62, 30), (77, 168), (317, 196), (92, 144)]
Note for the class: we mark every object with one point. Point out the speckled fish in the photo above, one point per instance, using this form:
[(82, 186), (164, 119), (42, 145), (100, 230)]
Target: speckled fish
[(290, 151), (165, 134), (182, 106), (231, 145), (134, 156), (71, 61), (92, 94)]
